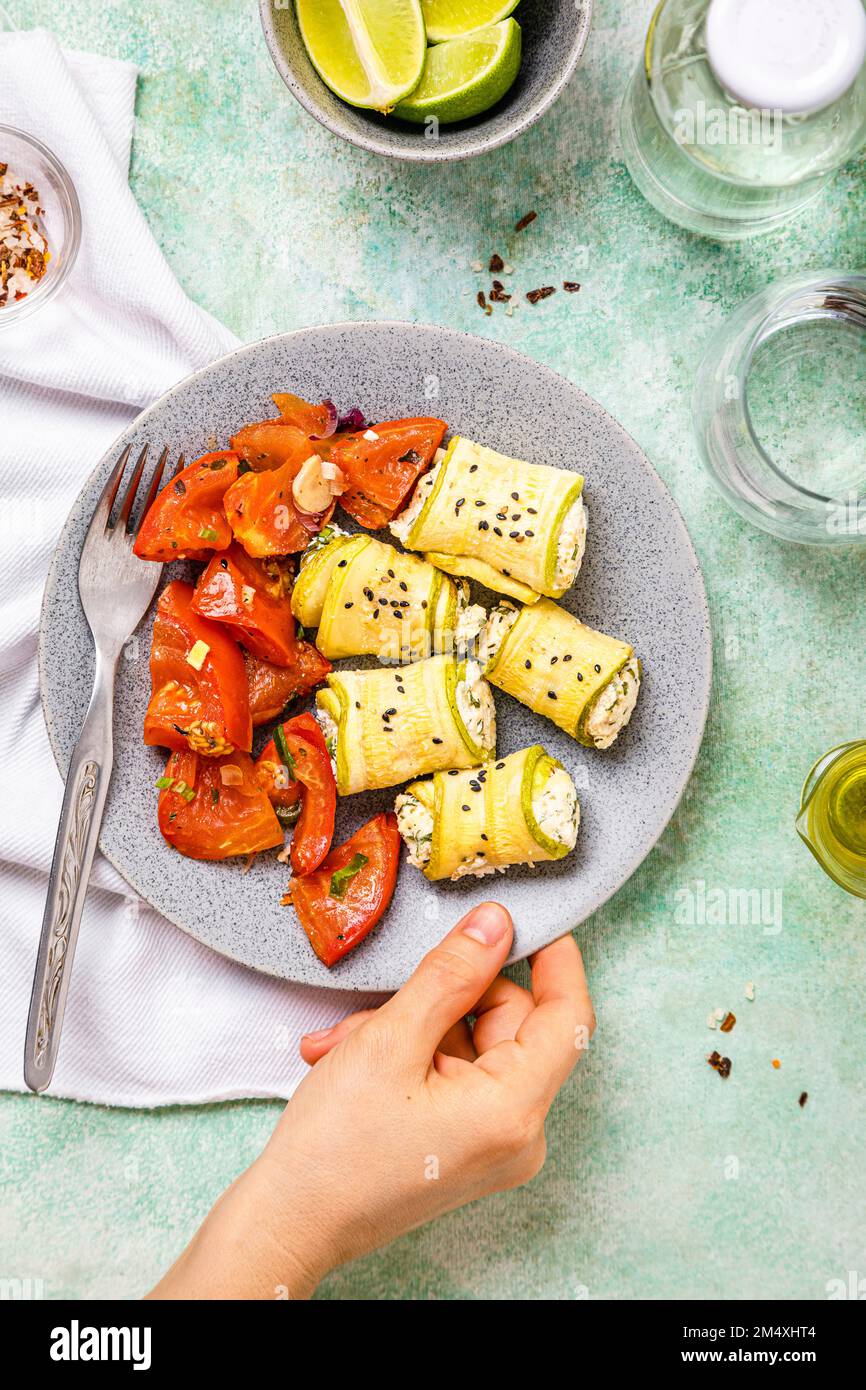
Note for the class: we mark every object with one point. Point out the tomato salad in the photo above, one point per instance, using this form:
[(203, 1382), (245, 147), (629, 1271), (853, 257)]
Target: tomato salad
[(228, 656)]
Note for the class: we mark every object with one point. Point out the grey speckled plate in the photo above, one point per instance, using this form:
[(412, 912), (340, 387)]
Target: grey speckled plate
[(640, 580)]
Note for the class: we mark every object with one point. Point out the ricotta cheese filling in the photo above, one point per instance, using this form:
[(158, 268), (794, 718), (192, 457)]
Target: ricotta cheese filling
[(612, 708), (554, 807), (475, 706), (571, 545), (402, 524), (499, 623), (470, 618), (328, 533), (330, 733)]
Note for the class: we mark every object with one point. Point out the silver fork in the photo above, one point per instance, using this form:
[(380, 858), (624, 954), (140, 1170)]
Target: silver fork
[(115, 589)]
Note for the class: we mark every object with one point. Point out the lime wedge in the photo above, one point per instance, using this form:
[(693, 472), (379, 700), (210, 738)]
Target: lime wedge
[(452, 19), (463, 77), (369, 52)]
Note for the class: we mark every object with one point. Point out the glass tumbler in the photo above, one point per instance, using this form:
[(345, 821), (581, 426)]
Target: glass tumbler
[(779, 408)]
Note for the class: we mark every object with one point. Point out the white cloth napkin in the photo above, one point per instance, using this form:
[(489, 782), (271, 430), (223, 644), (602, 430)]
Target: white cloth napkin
[(153, 1018)]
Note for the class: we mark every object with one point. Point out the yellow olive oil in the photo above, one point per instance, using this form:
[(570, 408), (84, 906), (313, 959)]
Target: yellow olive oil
[(832, 819)]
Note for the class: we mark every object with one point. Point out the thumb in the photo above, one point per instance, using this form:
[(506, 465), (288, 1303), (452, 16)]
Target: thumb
[(451, 979)]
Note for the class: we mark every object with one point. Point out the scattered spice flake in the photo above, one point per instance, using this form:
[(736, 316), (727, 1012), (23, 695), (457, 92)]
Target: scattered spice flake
[(544, 292), (482, 302), (712, 1021), (804, 1096), (525, 221), (570, 286), (776, 1063), (728, 1022), (497, 264), (720, 1064), (749, 989)]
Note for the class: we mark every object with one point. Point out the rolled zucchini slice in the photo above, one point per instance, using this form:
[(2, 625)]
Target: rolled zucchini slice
[(585, 681), (369, 599), (522, 809), (523, 522), (384, 726)]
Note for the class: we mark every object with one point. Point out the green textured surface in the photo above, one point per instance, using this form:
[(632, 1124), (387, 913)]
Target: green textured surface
[(662, 1180)]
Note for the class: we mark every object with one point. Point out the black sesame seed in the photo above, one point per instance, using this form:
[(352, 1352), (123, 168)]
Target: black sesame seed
[(390, 574), (473, 468), (512, 535), (501, 516), (567, 656), (551, 694), (500, 764), (404, 586), (515, 496), (341, 564), (598, 668), (401, 690), (423, 603), (483, 836), (553, 660), (533, 511), (496, 531), (479, 503), (464, 808), (484, 525), (437, 740), (530, 533), (357, 704), (475, 785), (375, 613), (515, 516), (580, 675), (348, 605), (368, 593), (461, 501), (453, 772), (528, 665), (398, 614)]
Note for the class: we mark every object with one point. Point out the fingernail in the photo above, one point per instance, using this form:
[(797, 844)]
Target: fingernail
[(317, 1035), (487, 924)]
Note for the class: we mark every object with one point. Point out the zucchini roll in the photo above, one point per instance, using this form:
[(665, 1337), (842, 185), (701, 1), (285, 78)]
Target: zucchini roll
[(369, 599), (510, 521), (385, 726), (520, 810), (584, 681)]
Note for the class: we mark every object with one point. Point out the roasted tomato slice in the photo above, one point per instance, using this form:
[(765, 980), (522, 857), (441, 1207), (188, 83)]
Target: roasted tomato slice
[(261, 510), (344, 898), (212, 808), (199, 693), (297, 754), (272, 687), (187, 520), (270, 444), (251, 596), (314, 420), (379, 473)]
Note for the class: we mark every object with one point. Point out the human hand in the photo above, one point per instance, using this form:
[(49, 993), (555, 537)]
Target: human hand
[(408, 1112)]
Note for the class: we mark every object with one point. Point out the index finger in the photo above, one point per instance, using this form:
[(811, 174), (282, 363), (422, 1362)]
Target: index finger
[(553, 1036)]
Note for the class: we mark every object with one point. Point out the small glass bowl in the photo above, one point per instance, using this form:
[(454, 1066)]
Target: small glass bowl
[(30, 161), (779, 408)]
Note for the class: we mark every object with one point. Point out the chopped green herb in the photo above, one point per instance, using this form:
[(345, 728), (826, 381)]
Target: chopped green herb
[(163, 783), (243, 467), (283, 750), (340, 880), (301, 632), (207, 533), (288, 815), (183, 790), (214, 795)]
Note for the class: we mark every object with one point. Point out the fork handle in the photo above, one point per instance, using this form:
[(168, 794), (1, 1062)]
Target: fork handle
[(80, 821)]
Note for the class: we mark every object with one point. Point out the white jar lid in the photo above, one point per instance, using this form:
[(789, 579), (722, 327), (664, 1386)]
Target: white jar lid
[(788, 55)]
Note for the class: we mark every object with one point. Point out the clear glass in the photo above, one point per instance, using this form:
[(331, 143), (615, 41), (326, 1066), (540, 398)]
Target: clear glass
[(837, 784), (779, 408), (30, 160), (710, 164)]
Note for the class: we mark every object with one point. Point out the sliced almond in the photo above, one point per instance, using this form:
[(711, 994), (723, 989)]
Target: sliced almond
[(231, 775), (248, 593), (197, 655), (311, 489)]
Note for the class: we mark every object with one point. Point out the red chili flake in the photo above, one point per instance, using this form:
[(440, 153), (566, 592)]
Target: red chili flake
[(727, 1022), (496, 263), (525, 221), (570, 286), (543, 293), (803, 1098), (720, 1064), (482, 302), (497, 293)]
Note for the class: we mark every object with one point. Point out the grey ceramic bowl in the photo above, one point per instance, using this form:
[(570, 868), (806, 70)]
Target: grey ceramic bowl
[(554, 37), (640, 580)]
